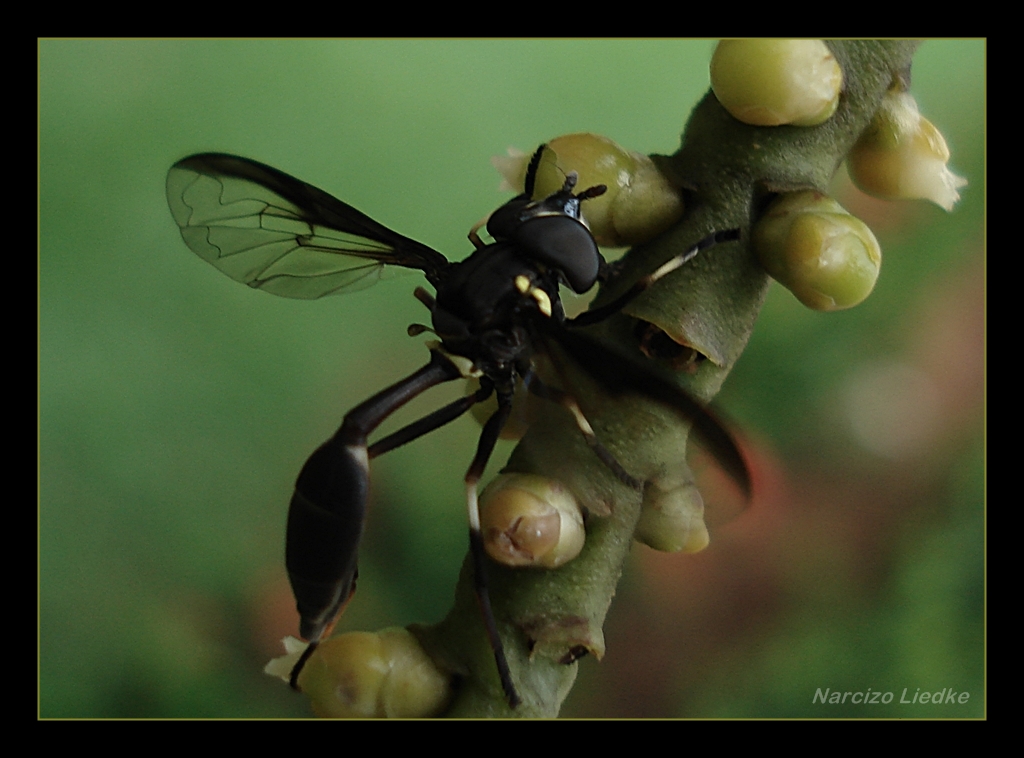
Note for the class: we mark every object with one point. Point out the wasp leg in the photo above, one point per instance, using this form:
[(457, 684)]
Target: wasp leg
[(485, 447), (567, 401), (429, 423), (600, 314), (474, 237), (328, 509), (424, 297), (620, 374)]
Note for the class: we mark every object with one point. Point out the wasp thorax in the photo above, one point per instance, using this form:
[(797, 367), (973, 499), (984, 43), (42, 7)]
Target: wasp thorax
[(816, 249), (384, 674), (638, 204), (530, 520), (770, 82), (901, 155)]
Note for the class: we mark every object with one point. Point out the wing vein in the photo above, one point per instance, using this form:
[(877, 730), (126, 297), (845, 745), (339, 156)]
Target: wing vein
[(270, 231)]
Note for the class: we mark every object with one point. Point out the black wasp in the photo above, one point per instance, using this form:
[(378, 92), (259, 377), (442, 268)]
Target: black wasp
[(492, 313)]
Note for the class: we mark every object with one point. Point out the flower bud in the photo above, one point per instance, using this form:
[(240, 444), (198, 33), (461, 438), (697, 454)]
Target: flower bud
[(512, 168), (815, 248), (769, 82), (901, 155), (368, 675), (672, 520), (530, 520), (639, 203)]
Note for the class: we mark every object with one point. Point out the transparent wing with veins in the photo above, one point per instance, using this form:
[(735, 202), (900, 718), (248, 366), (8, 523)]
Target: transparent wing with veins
[(274, 232)]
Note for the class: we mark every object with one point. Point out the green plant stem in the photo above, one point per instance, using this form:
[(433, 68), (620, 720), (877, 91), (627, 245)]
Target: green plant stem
[(729, 171)]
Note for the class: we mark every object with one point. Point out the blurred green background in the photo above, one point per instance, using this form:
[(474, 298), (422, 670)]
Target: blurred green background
[(176, 406)]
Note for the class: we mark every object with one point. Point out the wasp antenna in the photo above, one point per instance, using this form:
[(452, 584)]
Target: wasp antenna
[(531, 170), (591, 192)]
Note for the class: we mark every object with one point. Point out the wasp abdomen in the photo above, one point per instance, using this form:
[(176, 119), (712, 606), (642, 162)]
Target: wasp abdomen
[(325, 524)]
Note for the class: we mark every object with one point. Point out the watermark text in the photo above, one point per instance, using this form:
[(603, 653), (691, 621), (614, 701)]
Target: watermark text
[(945, 696)]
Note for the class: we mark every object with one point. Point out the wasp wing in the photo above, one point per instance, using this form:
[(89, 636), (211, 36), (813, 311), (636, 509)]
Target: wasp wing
[(271, 231), (619, 374)]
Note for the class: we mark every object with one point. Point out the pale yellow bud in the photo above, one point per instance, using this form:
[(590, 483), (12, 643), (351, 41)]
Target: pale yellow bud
[(770, 82), (901, 155), (639, 203), (815, 248), (672, 520), (383, 674), (512, 168), (530, 520)]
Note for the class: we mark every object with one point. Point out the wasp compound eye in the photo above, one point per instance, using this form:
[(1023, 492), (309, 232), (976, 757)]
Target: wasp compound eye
[(564, 244)]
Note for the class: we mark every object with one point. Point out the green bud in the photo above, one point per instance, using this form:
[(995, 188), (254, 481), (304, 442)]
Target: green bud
[(672, 519), (815, 248), (639, 204), (770, 82), (383, 674)]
